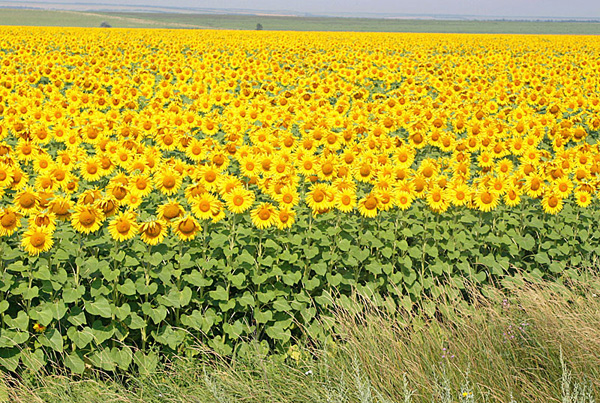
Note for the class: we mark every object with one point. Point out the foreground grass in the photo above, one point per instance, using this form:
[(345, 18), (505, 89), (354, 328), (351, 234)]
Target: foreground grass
[(536, 341)]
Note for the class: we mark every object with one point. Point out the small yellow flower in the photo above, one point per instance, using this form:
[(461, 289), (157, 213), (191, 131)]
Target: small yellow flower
[(39, 328)]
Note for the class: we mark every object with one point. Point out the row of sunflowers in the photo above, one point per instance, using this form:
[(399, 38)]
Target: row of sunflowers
[(140, 135)]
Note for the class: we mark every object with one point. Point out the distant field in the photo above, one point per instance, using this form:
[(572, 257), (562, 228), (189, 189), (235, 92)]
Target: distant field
[(199, 21)]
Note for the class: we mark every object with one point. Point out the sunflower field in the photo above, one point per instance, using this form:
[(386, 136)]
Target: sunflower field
[(163, 187)]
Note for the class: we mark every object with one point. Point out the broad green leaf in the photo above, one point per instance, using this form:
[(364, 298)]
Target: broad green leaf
[(99, 307), (9, 358), (146, 363), (21, 321), (53, 339), (75, 363)]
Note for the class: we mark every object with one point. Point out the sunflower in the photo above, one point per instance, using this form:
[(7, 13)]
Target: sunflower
[(27, 200), (367, 206), (460, 194), (205, 205), (264, 216), (552, 202), (170, 210), (345, 200), (239, 200), (10, 221), (43, 219), (186, 227), (91, 169), (109, 205), (61, 207), (285, 218), (319, 197), (168, 181), (153, 232), (512, 197), (87, 218), (486, 200), (534, 185), (209, 177), (37, 240), (123, 226), (141, 185), (563, 187), (583, 198), (404, 199), (439, 199)]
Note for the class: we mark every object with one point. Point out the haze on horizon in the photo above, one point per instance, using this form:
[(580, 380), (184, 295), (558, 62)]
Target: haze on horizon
[(500, 8)]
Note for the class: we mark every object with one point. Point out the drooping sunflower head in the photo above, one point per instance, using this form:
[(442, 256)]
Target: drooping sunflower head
[(186, 227), (10, 221), (170, 210), (109, 205), (26, 200), (368, 206), (87, 218), (153, 232), (285, 218), (61, 207), (43, 219)]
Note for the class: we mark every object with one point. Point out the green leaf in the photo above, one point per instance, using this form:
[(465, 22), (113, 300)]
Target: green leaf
[(320, 268), (102, 333), (33, 360), (146, 363), (155, 259), (80, 338), (12, 338), (527, 242), (4, 305), (542, 258), (220, 294), (17, 266), (374, 267), (77, 316), (278, 332), (21, 321), (157, 314), (176, 298), (134, 321), (344, 245), (198, 279), (72, 294), (53, 339), (75, 363), (263, 317), (127, 288), (100, 307), (9, 358), (102, 359), (122, 357), (31, 293), (246, 299)]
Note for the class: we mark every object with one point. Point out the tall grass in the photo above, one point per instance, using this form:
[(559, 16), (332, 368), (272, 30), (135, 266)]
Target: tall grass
[(527, 341)]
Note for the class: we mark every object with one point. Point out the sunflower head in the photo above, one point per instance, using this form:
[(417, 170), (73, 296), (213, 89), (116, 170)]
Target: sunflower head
[(153, 232), (37, 240)]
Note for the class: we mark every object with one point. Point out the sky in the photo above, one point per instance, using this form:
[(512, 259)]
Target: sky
[(514, 8)]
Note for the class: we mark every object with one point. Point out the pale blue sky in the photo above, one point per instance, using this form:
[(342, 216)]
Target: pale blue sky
[(523, 8)]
